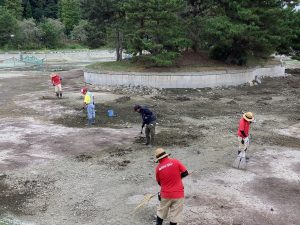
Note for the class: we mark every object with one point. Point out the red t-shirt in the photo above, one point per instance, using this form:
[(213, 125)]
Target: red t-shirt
[(168, 174), (56, 79), (243, 126)]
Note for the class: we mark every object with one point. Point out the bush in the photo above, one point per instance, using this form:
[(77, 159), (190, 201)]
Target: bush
[(27, 36), (52, 33), (79, 32), (8, 27)]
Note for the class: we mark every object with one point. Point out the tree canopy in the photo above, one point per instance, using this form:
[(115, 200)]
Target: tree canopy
[(156, 31)]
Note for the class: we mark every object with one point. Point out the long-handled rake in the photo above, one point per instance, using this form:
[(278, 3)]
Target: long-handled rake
[(145, 201), (240, 161), (148, 197)]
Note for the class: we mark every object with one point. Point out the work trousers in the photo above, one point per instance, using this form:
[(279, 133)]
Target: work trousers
[(91, 111), (150, 133)]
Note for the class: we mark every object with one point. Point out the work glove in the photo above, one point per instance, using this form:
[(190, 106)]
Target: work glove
[(159, 197), (246, 140)]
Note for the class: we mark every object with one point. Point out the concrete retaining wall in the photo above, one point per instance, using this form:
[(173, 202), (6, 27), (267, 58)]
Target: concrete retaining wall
[(183, 80)]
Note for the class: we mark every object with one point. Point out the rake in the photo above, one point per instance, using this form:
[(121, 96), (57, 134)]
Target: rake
[(145, 201), (148, 197)]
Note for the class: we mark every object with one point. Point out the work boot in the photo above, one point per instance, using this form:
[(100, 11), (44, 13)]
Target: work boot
[(159, 221), (89, 123), (60, 95), (57, 94), (173, 223)]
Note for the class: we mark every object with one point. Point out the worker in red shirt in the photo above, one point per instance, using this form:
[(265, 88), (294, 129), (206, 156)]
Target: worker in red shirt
[(243, 131), (169, 173), (56, 82)]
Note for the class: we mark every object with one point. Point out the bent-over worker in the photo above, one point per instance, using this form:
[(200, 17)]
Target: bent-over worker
[(89, 105), (149, 119), (169, 173)]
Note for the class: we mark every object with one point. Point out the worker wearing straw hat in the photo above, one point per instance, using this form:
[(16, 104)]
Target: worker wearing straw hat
[(243, 131), (169, 173)]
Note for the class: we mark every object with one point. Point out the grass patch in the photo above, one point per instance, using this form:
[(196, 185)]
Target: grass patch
[(187, 62), (125, 66)]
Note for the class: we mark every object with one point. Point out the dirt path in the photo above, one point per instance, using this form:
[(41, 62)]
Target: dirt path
[(57, 171)]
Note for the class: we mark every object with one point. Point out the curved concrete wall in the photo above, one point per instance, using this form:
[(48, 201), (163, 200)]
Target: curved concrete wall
[(182, 80)]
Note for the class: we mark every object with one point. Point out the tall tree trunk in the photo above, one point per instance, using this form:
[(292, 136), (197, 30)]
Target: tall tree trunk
[(119, 45)]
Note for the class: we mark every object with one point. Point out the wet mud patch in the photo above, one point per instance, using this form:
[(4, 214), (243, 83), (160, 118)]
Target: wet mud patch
[(115, 158), (119, 152), (278, 140), (14, 198), (123, 116), (123, 99), (176, 138), (83, 158), (114, 164), (277, 190)]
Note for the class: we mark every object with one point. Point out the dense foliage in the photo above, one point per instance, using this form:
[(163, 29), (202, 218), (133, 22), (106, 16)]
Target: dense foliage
[(156, 31)]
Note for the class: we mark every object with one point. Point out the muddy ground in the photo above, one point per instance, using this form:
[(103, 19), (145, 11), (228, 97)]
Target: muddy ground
[(55, 170)]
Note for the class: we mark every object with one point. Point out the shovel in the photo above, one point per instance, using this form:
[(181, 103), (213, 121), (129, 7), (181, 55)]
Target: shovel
[(240, 161)]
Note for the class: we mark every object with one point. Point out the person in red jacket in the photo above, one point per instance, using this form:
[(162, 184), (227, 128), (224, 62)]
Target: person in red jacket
[(56, 82), (169, 173), (243, 131)]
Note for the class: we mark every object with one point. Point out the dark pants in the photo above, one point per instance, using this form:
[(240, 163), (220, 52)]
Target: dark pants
[(150, 133)]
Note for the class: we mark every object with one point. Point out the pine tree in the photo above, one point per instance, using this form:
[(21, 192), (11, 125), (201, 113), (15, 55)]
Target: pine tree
[(8, 26), (69, 13), (234, 30), (38, 9), (28, 10), (51, 9), (100, 15), (155, 26), (14, 7)]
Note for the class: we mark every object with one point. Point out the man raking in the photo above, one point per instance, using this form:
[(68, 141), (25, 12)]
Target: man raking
[(243, 139), (169, 173), (56, 82)]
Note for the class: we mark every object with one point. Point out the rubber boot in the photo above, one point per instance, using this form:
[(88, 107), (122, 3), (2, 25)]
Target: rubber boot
[(89, 123), (159, 221)]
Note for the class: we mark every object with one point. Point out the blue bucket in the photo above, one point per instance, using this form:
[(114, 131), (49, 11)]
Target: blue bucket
[(110, 113)]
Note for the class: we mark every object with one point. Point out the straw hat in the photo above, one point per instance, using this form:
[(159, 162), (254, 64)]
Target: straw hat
[(248, 116), (160, 154)]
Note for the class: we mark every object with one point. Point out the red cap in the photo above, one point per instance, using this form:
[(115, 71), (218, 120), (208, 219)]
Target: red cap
[(83, 90)]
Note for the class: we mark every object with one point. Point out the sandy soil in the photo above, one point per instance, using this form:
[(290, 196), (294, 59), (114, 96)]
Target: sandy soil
[(55, 170)]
